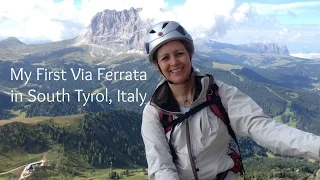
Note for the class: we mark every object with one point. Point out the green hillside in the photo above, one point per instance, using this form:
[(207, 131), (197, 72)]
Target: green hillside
[(277, 98), (82, 142), (87, 146)]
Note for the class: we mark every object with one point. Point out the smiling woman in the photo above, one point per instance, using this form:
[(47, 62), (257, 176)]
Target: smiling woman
[(191, 117), (174, 61)]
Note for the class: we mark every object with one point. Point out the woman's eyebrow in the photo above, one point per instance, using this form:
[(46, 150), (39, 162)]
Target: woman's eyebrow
[(165, 54)]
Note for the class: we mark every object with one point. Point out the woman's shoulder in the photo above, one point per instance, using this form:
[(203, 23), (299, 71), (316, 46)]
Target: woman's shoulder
[(211, 78), (150, 111), (149, 107), (225, 89)]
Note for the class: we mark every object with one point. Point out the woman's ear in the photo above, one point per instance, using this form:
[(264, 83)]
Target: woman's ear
[(155, 62)]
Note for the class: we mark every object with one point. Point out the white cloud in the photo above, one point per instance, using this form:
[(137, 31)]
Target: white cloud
[(243, 13), (48, 20), (265, 9), (286, 36), (295, 37), (282, 34), (89, 8), (307, 55), (36, 19), (205, 17)]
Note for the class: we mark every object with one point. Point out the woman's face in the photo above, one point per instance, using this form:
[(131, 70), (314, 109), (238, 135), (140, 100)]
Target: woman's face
[(174, 61)]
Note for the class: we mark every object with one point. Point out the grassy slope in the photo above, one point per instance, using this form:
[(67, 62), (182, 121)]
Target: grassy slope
[(69, 120), (56, 156), (134, 174), (57, 120), (13, 159)]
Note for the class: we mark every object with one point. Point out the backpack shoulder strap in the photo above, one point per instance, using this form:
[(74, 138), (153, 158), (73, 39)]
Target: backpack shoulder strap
[(219, 110), (165, 120), (169, 125)]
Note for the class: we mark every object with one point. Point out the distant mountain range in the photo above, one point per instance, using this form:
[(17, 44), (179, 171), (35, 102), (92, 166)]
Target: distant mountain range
[(261, 48), (112, 32), (114, 35), (99, 134)]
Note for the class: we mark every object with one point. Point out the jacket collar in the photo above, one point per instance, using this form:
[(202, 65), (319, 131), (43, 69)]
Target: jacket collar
[(163, 99)]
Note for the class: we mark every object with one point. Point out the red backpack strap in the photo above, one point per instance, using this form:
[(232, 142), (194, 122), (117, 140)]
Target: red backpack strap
[(214, 106), (236, 157), (219, 110), (165, 120)]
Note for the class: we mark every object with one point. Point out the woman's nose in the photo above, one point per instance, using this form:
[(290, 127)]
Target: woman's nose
[(174, 60)]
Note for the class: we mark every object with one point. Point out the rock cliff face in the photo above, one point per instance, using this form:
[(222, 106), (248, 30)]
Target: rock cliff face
[(111, 32), (316, 177), (261, 48), (116, 31), (267, 48)]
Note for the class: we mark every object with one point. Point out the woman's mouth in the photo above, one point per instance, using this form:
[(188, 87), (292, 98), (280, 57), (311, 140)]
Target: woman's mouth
[(176, 70)]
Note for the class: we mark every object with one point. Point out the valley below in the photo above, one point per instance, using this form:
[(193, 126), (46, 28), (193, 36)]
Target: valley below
[(76, 105)]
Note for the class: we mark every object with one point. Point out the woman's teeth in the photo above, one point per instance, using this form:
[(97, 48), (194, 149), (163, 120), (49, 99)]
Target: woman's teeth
[(176, 70)]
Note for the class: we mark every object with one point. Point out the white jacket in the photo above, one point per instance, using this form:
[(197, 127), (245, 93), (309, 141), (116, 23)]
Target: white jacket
[(209, 136)]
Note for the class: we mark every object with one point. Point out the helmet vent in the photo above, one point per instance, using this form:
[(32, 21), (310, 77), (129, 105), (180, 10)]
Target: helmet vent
[(164, 25), (181, 30), (147, 47)]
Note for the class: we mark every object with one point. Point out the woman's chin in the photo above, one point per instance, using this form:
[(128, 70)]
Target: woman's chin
[(178, 80)]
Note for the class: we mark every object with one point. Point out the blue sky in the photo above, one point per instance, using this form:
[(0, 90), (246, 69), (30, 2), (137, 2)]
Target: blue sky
[(175, 2), (292, 23)]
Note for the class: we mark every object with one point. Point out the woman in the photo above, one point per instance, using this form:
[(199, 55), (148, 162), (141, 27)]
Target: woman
[(170, 48)]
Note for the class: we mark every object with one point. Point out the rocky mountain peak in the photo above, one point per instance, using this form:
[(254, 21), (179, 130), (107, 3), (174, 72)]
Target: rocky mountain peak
[(116, 31), (268, 48), (261, 48), (112, 32)]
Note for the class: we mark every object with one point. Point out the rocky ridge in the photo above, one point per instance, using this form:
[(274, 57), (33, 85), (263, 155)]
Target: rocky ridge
[(261, 48), (267, 48), (112, 31), (315, 177)]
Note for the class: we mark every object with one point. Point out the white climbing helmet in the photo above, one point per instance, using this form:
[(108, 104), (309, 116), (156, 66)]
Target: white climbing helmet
[(163, 32)]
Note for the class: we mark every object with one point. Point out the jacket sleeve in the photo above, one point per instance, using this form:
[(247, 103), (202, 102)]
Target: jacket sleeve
[(248, 119), (159, 158)]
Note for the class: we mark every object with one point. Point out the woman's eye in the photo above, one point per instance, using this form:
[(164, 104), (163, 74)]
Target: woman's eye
[(165, 58), (180, 54)]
